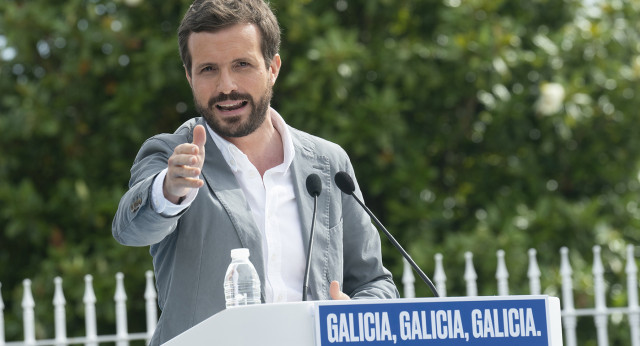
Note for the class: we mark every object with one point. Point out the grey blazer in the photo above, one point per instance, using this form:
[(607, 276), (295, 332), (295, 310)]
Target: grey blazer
[(191, 250)]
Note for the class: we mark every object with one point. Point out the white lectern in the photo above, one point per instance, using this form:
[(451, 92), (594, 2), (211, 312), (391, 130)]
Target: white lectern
[(495, 320)]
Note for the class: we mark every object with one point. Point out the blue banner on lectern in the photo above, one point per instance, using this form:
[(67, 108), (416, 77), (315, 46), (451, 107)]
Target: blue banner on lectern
[(447, 321)]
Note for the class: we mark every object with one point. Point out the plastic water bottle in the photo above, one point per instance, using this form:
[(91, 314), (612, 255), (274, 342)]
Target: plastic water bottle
[(241, 282)]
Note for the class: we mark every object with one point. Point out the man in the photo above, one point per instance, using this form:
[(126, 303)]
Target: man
[(236, 178)]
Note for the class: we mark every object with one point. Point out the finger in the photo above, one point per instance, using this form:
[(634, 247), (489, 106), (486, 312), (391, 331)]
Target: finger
[(186, 149), (183, 160), (186, 182), (181, 186), (174, 188), (184, 172), (199, 137), (336, 294)]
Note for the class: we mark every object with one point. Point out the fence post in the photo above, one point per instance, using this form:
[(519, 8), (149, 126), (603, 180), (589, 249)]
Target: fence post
[(121, 311), (150, 296), (440, 277), (632, 292), (502, 275), (601, 316), (533, 273), (89, 301), (470, 275), (569, 318), (59, 313), (408, 280), (2, 339), (28, 316)]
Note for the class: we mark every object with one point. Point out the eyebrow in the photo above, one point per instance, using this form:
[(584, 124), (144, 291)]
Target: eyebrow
[(245, 58)]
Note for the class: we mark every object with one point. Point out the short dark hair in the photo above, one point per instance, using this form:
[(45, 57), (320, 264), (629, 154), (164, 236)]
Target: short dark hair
[(214, 15)]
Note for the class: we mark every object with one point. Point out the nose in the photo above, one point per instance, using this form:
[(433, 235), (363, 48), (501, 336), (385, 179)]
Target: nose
[(227, 83)]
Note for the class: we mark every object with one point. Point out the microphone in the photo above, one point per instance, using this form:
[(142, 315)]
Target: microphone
[(314, 187), (346, 185)]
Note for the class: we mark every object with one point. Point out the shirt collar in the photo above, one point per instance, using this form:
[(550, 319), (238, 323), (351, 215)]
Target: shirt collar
[(233, 156)]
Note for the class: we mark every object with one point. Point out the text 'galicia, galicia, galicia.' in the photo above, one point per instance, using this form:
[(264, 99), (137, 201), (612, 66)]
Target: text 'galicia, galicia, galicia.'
[(431, 325)]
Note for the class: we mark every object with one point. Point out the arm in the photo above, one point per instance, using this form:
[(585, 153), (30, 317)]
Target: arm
[(136, 223)]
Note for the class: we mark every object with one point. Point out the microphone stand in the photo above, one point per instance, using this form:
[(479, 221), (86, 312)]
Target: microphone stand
[(399, 247), (305, 286)]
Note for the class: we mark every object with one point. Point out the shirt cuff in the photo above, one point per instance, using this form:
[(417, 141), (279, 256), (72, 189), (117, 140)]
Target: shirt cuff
[(162, 205)]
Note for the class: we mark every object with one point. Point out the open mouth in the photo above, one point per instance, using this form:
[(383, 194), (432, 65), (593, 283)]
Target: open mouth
[(231, 107)]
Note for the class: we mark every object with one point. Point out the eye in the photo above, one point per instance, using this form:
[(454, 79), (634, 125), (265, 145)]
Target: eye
[(242, 64), (207, 69)]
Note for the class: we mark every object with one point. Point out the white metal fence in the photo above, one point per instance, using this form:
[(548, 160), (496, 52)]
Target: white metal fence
[(122, 336), (600, 312)]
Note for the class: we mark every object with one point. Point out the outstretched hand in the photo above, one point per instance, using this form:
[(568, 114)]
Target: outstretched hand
[(336, 293), (185, 165)]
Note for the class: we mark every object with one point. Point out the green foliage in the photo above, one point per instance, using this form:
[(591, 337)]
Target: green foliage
[(446, 107)]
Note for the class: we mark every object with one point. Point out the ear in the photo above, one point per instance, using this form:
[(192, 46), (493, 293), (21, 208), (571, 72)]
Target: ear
[(274, 69)]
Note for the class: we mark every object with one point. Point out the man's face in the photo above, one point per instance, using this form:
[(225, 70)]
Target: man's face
[(231, 86)]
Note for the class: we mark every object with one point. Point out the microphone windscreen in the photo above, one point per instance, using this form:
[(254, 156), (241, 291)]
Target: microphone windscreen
[(314, 185), (344, 182)]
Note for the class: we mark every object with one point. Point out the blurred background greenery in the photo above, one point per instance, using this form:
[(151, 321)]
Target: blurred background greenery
[(474, 125)]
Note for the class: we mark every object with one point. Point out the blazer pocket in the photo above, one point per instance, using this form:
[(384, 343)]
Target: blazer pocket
[(334, 256)]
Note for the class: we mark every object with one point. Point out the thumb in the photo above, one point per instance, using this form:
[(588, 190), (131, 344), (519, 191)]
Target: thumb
[(199, 137), (336, 294)]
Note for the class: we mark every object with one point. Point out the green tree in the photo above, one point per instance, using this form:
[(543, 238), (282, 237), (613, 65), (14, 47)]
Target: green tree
[(473, 125)]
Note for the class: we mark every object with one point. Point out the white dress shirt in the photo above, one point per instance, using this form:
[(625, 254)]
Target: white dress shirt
[(273, 204)]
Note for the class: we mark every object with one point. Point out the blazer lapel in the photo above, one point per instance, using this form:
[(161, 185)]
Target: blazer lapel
[(308, 161), (224, 185)]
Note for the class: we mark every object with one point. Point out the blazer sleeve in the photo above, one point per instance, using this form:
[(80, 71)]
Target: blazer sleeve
[(364, 273), (135, 222)]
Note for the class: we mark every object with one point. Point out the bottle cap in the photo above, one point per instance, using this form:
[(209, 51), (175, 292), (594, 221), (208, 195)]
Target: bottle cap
[(240, 253)]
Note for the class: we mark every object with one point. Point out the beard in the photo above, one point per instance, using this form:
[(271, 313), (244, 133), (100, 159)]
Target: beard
[(234, 126)]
